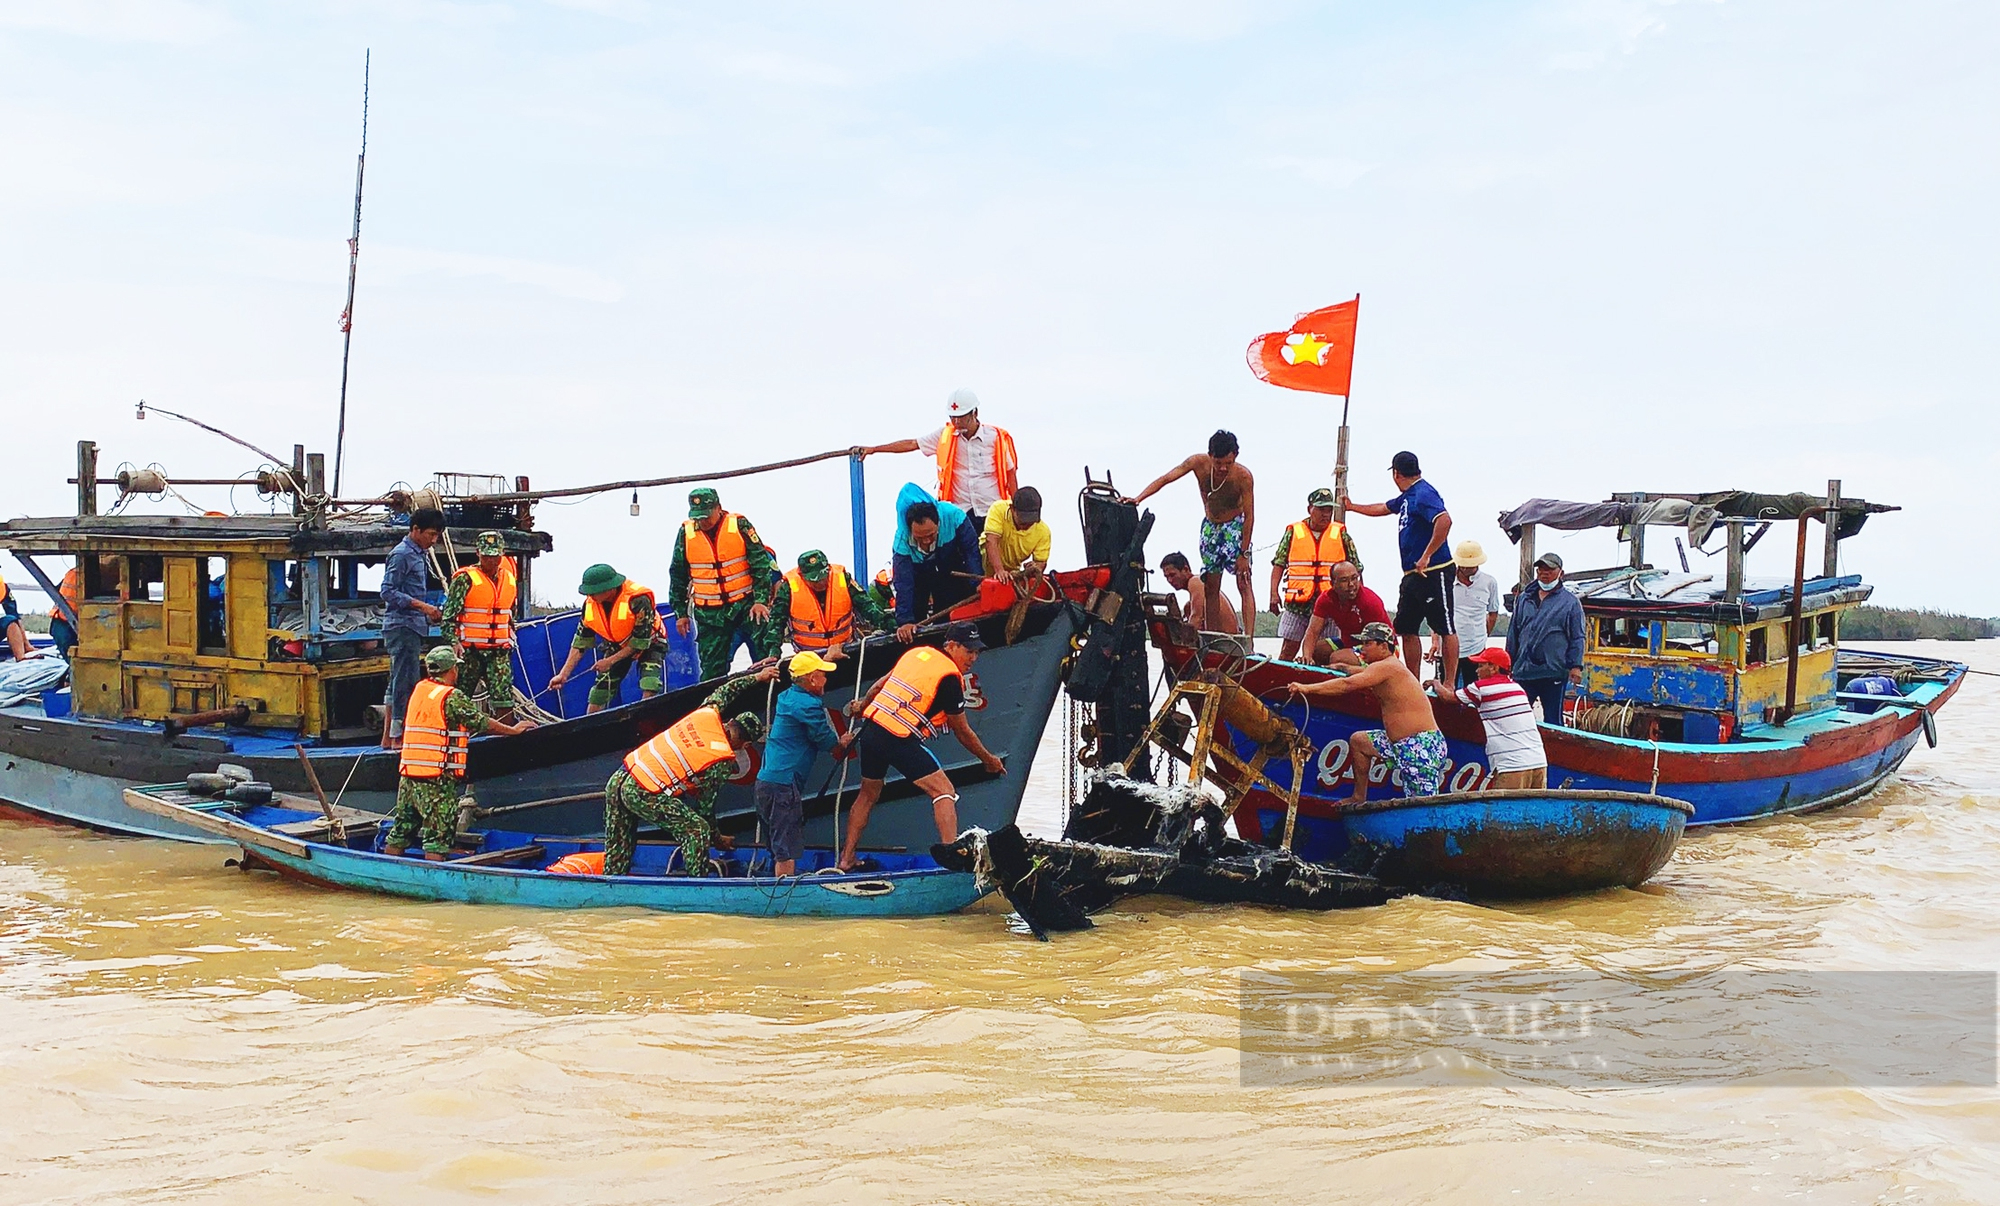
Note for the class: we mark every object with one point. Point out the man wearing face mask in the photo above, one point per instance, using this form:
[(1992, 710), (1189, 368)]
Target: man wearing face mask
[(1545, 638)]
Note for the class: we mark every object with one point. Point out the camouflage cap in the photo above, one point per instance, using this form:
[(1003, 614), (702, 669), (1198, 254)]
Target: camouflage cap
[(1376, 631), (1321, 497), (490, 544), (750, 724), (813, 565), (440, 659), (702, 500)]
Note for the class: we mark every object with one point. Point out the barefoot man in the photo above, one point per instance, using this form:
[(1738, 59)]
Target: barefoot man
[(1229, 514), (1409, 738)]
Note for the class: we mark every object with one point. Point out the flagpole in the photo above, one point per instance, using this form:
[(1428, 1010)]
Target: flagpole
[(1340, 446)]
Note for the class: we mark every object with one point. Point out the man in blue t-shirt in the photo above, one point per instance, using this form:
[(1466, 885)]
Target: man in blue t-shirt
[(1423, 536)]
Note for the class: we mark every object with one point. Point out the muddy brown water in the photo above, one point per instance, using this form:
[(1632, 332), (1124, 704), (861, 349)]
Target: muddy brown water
[(175, 1031)]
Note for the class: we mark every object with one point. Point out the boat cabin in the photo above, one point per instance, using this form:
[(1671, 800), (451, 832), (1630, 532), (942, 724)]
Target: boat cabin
[(272, 622), (1680, 656)]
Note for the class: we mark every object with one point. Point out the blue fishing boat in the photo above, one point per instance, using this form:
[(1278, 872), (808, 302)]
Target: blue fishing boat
[(1733, 695), (340, 848), (1512, 844), (257, 640)]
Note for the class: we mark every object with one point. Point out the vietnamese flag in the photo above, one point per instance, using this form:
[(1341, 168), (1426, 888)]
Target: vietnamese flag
[(1317, 354)]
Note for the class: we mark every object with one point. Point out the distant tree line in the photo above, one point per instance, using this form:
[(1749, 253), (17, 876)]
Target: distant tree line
[(1922, 624)]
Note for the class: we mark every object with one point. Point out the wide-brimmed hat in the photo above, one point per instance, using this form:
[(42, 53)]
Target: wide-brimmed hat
[(598, 579), (702, 500), (814, 566), (805, 663), (490, 544), (440, 659), (1469, 552)]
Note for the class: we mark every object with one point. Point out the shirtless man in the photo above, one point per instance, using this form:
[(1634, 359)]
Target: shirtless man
[(1228, 500), (1411, 742), (1180, 576)]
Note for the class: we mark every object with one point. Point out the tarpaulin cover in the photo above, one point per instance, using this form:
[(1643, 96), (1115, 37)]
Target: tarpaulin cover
[(1699, 516)]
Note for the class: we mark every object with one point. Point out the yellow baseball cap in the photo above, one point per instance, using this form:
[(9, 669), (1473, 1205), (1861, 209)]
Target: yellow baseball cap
[(805, 663)]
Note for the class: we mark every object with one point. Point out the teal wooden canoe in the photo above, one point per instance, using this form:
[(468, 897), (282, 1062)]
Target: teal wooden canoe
[(292, 836)]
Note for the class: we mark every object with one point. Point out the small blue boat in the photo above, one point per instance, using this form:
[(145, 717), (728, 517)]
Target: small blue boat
[(1513, 844), (339, 848)]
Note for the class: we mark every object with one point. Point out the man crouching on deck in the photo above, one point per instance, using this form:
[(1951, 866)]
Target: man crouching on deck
[(1411, 742), (671, 781), (904, 709)]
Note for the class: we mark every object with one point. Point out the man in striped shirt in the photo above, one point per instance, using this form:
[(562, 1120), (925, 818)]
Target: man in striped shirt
[(1513, 743)]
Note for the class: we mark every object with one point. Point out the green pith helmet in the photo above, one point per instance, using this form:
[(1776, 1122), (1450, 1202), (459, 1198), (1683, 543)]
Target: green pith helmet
[(600, 578), (749, 724), (702, 500), (813, 566), (440, 659), (490, 544)]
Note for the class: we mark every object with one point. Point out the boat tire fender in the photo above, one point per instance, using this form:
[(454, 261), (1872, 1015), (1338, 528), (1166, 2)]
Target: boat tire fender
[(1930, 727)]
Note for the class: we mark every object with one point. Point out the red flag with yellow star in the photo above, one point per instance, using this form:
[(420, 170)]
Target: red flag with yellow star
[(1317, 354)]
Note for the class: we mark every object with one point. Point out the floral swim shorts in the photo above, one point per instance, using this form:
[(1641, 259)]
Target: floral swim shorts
[(1221, 545), (1421, 758)]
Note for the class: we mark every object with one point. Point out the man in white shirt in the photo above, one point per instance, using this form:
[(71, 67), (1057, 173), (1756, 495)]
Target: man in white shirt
[(1475, 606), (1513, 743), (977, 465)]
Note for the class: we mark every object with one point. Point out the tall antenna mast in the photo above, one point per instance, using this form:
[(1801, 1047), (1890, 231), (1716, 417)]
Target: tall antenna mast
[(353, 262)]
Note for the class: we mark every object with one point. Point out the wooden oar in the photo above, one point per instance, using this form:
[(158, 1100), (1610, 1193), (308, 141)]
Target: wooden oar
[(335, 826)]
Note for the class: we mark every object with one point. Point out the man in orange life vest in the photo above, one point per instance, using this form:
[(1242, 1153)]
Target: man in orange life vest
[(671, 780), (1302, 567), (438, 727), (720, 584), (619, 622), (905, 708), (817, 604), (976, 462), (479, 623)]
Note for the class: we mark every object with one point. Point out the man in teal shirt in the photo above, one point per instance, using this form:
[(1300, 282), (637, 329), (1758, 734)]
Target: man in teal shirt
[(800, 733)]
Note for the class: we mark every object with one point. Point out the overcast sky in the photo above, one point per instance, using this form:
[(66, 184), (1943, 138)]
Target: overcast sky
[(1600, 246)]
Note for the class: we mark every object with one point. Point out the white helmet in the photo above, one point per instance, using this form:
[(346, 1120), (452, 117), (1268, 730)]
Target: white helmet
[(961, 403)]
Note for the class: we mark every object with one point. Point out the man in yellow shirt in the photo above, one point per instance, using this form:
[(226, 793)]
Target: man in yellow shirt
[(1016, 541)]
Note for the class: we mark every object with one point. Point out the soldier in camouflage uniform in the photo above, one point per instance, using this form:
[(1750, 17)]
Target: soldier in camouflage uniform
[(815, 567), (482, 666), (645, 645), (428, 805), (740, 592), (687, 818)]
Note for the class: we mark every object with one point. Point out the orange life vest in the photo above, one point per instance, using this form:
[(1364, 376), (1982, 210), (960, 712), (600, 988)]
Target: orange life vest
[(3, 590), (813, 626), (615, 627), (71, 589), (431, 747), (903, 705), (1006, 465), (1309, 562), (718, 570), (488, 619), (670, 762)]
